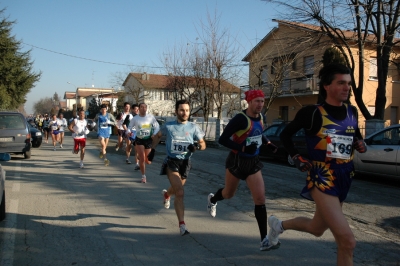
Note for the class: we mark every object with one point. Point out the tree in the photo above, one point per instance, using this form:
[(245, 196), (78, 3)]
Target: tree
[(94, 107), (374, 23), (43, 106), (16, 74)]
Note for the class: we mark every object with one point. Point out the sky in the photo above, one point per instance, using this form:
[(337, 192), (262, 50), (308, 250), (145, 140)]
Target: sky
[(87, 42)]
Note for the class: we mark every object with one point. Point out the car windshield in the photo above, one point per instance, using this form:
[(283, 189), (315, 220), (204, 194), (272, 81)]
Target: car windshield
[(12, 122)]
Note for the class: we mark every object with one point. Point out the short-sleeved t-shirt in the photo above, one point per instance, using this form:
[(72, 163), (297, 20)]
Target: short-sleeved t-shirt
[(179, 137)]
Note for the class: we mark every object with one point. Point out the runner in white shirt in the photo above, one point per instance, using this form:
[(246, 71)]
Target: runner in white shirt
[(122, 128), (63, 125), (79, 129), (146, 127)]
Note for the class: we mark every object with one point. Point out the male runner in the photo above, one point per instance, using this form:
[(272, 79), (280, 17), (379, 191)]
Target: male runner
[(332, 134), (63, 126), (135, 112), (79, 129), (243, 134), (180, 147), (147, 129), (122, 128), (103, 124)]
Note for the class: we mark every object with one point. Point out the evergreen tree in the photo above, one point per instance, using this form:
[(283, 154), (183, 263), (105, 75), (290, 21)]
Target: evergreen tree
[(16, 73)]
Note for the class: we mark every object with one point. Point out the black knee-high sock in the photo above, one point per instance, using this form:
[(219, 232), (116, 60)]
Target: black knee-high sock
[(217, 196), (261, 216)]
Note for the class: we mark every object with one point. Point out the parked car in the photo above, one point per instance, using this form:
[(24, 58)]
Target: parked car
[(15, 137), (272, 133), (36, 136), (3, 157), (383, 153)]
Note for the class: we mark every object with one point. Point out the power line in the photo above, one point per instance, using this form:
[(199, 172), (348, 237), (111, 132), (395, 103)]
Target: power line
[(106, 62)]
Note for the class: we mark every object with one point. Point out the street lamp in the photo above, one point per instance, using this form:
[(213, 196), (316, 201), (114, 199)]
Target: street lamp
[(76, 97)]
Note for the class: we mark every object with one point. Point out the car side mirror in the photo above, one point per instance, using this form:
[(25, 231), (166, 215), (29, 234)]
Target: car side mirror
[(5, 157)]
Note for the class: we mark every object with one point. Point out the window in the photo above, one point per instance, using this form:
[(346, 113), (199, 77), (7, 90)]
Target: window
[(309, 65), (264, 75), (284, 113), (373, 68)]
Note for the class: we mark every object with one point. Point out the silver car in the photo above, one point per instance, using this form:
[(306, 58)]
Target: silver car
[(383, 153), (3, 157)]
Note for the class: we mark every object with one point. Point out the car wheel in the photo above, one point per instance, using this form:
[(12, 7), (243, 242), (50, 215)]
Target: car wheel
[(36, 144), (27, 154), (3, 207)]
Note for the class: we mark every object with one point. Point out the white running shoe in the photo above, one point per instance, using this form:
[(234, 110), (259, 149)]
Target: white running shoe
[(54, 149), (167, 201), (81, 165), (275, 229), (211, 208), (106, 162), (183, 230), (264, 244), (143, 179), (116, 147), (61, 146)]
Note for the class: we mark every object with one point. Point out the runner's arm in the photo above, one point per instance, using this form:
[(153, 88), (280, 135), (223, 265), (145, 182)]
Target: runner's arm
[(239, 122)]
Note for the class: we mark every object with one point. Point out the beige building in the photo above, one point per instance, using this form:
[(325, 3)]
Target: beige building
[(292, 53), (157, 92), (83, 96)]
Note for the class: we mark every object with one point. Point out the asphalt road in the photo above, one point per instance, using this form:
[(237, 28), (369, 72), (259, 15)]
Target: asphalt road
[(58, 214)]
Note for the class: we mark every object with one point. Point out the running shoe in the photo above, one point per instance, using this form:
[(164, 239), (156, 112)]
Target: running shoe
[(137, 167), (183, 230), (81, 165), (127, 161), (54, 149), (167, 201), (106, 162), (211, 208), (143, 180), (61, 146), (101, 155), (264, 245), (116, 147), (275, 229)]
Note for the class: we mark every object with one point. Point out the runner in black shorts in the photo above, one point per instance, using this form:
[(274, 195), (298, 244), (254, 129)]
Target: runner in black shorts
[(332, 134), (243, 134)]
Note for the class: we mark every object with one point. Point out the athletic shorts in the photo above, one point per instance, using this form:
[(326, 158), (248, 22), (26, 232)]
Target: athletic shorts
[(176, 165), (147, 143), (79, 143), (47, 129), (335, 180), (242, 167), (121, 133)]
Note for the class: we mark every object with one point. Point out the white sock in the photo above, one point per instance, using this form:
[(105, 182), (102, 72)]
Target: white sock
[(143, 176)]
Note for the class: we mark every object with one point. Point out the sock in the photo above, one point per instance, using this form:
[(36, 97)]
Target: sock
[(143, 176), (261, 217), (81, 161), (217, 196), (181, 222)]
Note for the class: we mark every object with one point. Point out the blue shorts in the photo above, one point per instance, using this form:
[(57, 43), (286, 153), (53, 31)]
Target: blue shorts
[(335, 180)]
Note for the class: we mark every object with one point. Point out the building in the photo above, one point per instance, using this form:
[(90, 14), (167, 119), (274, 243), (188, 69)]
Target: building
[(83, 96), (158, 92), (290, 55)]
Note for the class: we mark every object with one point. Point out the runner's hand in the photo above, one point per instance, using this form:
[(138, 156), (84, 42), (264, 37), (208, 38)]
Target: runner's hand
[(192, 147), (359, 145), (251, 149), (303, 164)]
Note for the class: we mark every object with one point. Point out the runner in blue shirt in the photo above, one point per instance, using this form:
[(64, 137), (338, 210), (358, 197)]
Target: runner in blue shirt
[(180, 144), (104, 121)]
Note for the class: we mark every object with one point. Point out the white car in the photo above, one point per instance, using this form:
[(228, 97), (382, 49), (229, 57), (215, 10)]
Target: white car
[(3, 157), (383, 153)]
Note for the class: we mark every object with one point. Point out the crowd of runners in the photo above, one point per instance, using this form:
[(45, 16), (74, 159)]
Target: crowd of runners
[(328, 126)]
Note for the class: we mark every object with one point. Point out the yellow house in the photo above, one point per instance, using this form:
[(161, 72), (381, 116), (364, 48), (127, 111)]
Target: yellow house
[(286, 63)]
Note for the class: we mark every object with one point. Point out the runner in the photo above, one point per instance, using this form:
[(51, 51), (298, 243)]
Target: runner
[(135, 112), (180, 146), (46, 129), (243, 134), (63, 125), (103, 124), (54, 126), (122, 132), (147, 129), (79, 129), (332, 134)]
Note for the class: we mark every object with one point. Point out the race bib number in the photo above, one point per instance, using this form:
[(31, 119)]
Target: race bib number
[(54, 127), (179, 147), (144, 132), (338, 146), (104, 125), (254, 140)]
